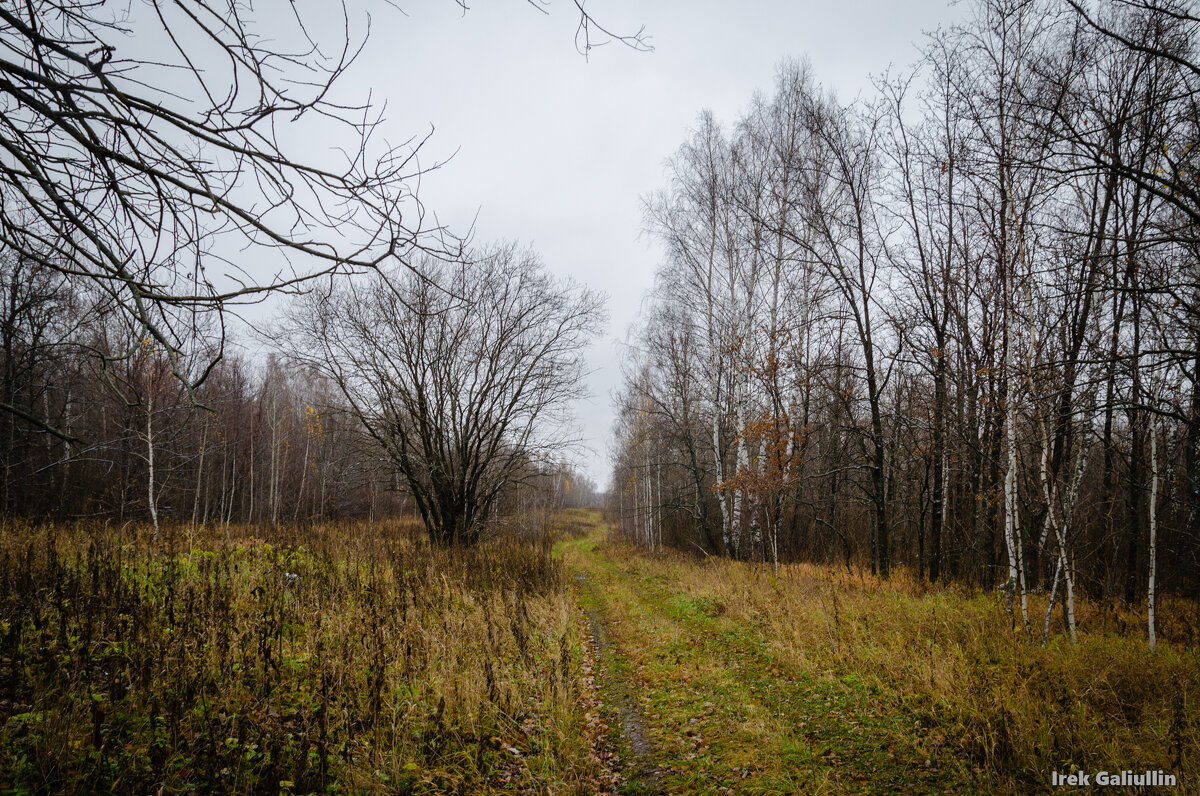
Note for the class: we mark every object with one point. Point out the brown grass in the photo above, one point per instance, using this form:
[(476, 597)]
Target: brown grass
[(960, 664), (248, 660)]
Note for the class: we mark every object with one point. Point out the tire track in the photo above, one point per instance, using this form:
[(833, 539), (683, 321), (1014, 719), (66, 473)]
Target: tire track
[(633, 724)]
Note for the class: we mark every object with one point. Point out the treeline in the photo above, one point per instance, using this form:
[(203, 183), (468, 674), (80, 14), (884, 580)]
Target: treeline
[(953, 325), (99, 425)]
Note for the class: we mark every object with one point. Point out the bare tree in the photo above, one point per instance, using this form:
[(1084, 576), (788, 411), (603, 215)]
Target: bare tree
[(39, 319), (999, 356), (460, 370), (696, 222), (1161, 35), (132, 140), (848, 240), (143, 144)]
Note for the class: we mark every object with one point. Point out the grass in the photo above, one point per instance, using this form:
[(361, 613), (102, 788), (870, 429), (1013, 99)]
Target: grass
[(820, 682), (339, 658), (354, 658)]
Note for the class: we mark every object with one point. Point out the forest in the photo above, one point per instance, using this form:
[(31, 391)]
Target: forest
[(950, 326), (101, 427), (904, 488)]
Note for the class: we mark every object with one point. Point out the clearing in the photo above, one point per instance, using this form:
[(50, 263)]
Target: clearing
[(355, 658), (720, 677)]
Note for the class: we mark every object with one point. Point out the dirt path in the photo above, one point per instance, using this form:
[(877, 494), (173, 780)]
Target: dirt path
[(699, 698), (643, 772)]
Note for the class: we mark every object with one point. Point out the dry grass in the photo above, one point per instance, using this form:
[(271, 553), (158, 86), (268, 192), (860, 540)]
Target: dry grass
[(970, 688), (342, 657), (354, 658)]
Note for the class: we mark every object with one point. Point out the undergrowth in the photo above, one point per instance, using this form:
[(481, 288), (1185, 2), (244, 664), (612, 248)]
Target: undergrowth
[(248, 660)]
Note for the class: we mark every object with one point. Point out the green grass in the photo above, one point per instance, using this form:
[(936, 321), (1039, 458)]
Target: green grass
[(192, 664), (816, 682), (725, 711)]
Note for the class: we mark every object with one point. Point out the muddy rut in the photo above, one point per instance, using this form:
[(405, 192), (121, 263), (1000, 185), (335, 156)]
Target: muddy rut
[(622, 691)]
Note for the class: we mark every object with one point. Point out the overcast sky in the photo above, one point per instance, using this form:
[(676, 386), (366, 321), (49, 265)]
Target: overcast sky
[(557, 151)]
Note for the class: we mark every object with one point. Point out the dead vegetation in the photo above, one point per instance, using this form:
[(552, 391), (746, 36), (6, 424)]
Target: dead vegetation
[(338, 657), (896, 678)]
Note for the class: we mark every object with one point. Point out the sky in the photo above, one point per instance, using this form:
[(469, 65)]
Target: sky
[(557, 151)]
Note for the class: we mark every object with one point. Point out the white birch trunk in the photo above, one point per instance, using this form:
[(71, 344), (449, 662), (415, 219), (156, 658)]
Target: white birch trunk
[(1053, 593), (232, 494), (649, 507), (200, 474), (722, 495), (303, 479), (741, 460), (273, 485), (658, 473), (150, 498), (1012, 534)]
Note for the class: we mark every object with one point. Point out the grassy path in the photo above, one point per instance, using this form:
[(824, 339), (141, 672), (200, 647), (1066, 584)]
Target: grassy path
[(633, 740), (708, 703)]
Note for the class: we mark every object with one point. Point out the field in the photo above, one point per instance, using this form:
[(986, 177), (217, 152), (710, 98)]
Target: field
[(342, 659), (822, 682), (357, 659)]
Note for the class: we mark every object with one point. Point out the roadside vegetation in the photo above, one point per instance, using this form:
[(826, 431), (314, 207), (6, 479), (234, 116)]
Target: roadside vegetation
[(339, 658), (819, 681), (357, 658)]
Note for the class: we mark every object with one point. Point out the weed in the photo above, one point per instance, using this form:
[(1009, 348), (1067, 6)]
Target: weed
[(297, 660)]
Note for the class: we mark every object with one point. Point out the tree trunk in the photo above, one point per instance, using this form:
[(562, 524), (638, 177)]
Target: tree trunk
[(150, 496), (1153, 533)]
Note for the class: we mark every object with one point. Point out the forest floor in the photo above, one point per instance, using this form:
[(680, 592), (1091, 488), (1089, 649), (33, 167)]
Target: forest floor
[(720, 677)]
